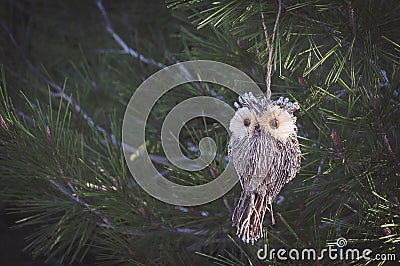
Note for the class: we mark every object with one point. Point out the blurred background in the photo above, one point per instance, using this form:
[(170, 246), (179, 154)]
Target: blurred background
[(61, 39)]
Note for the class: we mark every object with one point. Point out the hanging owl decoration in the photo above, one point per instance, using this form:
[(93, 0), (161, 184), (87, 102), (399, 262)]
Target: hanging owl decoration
[(266, 155)]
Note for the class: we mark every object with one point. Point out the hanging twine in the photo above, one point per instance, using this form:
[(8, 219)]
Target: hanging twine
[(270, 43)]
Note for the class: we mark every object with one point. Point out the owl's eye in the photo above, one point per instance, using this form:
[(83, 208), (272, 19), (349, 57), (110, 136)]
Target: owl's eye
[(246, 122), (274, 123)]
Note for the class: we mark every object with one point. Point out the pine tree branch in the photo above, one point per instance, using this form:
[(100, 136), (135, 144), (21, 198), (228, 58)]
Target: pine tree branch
[(23, 115), (53, 152), (178, 230), (62, 173), (351, 18), (78, 109), (308, 18), (328, 28), (214, 175), (121, 42), (108, 224), (125, 231), (106, 221), (59, 91), (112, 51), (340, 153), (3, 123), (128, 50), (27, 61), (383, 132)]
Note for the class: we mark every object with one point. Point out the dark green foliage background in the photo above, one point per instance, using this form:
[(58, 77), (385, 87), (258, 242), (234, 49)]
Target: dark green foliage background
[(339, 59)]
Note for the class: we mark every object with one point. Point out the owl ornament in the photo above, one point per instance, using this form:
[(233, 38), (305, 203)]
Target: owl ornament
[(266, 155)]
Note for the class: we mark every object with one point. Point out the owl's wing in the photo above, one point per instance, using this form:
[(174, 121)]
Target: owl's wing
[(282, 168), (265, 164), (248, 161)]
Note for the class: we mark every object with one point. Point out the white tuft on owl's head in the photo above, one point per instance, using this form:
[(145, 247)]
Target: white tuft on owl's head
[(243, 123)]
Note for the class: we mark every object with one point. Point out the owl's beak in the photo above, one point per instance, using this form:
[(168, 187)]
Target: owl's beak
[(257, 130)]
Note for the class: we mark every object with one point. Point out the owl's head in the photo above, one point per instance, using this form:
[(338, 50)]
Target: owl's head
[(255, 117)]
